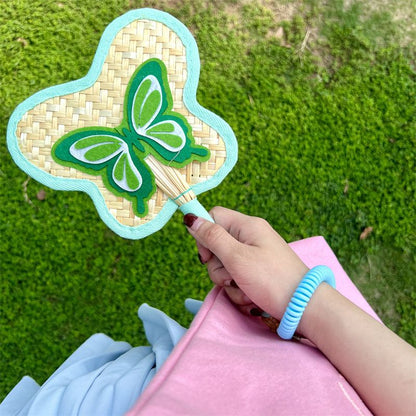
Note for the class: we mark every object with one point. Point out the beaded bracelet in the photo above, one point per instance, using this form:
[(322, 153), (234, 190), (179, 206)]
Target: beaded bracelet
[(294, 311)]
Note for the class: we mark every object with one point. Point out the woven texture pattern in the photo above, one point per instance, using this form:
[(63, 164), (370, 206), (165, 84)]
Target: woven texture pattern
[(102, 105)]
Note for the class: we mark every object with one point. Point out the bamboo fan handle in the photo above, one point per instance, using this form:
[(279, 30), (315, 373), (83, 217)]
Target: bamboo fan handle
[(172, 183)]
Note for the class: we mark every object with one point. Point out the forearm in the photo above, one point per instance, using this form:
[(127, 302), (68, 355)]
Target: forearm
[(247, 250), (379, 364)]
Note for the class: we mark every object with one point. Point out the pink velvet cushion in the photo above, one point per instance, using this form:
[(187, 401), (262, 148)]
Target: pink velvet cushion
[(229, 364)]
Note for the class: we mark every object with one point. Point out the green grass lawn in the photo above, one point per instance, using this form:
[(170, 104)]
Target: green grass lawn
[(322, 101)]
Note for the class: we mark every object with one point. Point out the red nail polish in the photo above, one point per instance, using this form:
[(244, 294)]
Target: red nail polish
[(256, 312), (200, 259), (189, 219)]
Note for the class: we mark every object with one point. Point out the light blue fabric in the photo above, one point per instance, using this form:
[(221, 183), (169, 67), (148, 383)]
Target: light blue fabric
[(193, 305), (103, 376)]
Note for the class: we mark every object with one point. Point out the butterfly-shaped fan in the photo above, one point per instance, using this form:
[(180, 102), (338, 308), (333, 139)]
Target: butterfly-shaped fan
[(130, 133)]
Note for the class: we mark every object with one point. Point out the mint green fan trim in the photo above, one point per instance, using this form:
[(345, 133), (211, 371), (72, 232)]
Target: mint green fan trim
[(193, 106), (195, 207)]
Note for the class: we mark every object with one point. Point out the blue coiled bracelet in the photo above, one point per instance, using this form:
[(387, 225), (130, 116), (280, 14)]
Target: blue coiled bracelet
[(294, 311)]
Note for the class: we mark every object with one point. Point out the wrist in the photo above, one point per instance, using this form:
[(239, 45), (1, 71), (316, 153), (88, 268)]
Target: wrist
[(317, 312), (301, 298), (282, 293)]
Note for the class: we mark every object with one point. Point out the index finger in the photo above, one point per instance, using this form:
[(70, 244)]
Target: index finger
[(249, 230)]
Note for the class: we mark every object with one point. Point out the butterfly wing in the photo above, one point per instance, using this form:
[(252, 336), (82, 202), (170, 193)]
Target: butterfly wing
[(149, 113), (105, 152)]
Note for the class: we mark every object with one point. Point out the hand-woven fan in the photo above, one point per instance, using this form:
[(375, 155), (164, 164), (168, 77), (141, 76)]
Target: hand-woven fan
[(130, 133)]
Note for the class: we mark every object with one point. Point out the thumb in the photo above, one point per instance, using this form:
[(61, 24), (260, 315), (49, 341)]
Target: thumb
[(212, 236)]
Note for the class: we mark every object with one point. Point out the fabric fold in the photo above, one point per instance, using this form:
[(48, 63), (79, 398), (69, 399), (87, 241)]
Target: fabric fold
[(102, 377), (231, 364), (226, 363)]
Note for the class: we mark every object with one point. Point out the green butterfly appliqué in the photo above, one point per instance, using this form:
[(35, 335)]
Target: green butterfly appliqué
[(149, 126)]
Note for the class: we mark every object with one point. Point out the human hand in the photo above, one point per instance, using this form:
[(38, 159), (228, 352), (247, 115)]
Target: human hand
[(246, 250)]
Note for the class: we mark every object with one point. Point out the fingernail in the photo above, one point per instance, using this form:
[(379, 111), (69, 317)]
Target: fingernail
[(200, 259), (256, 312), (189, 219)]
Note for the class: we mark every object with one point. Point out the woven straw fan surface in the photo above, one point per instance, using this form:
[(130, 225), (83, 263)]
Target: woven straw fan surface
[(102, 104)]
